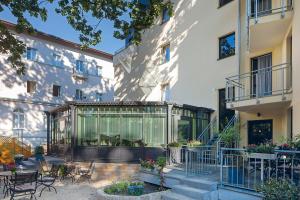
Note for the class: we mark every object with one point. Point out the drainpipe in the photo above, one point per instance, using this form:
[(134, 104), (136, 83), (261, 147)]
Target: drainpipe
[(169, 123), (239, 39)]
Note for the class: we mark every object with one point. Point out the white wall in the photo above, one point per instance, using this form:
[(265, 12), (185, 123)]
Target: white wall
[(13, 92)]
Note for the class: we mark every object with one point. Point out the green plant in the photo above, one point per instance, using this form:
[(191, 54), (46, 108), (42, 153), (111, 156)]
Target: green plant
[(39, 150), (262, 148), (135, 188), (161, 163), (230, 136), (174, 144), (18, 158), (274, 189), (117, 188), (147, 164), (194, 143)]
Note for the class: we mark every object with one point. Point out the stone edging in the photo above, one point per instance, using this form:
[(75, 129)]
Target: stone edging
[(101, 195)]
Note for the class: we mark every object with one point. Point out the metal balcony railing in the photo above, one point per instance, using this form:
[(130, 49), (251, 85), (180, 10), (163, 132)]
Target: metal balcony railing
[(265, 82), (260, 8)]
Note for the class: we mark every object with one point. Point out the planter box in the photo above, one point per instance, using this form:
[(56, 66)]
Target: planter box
[(265, 156), (175, 155)]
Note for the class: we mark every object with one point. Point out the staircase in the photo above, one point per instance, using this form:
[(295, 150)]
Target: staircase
[(193, 189)]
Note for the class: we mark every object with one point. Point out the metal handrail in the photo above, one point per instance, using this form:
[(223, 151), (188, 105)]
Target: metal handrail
[(209, 126)]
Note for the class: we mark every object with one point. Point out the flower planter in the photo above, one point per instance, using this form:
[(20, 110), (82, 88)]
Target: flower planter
[(235, 175), (149, 170), (175, 155), (265, 156)]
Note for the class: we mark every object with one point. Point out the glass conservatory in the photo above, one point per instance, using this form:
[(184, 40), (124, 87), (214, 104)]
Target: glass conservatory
[(122, 131)]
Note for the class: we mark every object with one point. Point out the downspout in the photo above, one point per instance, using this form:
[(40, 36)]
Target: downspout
[(73, 130), (48, 131), (239, 36)]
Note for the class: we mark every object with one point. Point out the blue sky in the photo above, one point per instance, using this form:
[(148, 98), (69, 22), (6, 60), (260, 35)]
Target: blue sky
[(58, 26)]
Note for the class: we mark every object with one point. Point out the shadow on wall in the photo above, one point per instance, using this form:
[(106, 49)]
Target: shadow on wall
[(148, 72)]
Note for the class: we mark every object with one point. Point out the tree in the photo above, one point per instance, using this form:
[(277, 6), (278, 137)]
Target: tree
[(142, 13)]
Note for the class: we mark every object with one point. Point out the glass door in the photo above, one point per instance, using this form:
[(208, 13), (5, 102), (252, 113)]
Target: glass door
[(261, 79), (260, 131)]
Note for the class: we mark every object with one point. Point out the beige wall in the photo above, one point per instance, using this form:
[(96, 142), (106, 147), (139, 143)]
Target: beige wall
[(195, 74)]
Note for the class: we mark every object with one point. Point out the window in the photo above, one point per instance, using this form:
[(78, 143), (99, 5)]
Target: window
[(98, 70), (227, 46), (18, 119), (56, 90), (166, 53), (31, 53), (78, 94), (224, 2), (165, 15), (166, 92), (57, 61), (80, 67), (31, 87), (99, 96)]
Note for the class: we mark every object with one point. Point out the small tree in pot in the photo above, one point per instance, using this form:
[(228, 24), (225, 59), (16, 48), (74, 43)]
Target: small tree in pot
[(39, 153)]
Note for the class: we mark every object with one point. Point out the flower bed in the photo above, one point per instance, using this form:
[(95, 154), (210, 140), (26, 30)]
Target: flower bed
[(130, 191)]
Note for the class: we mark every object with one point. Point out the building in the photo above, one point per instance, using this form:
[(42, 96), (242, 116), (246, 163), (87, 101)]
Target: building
[(236, 57), (57, 70)]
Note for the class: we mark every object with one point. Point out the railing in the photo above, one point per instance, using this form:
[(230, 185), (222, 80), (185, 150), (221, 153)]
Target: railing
[(260, 8), (244, 170), (209, 132), (269, 81), (82, 74), (201, 160)]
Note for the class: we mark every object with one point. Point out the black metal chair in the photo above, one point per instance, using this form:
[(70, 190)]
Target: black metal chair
[(23, 184), (48, 180), (86, 173), (69, 171)]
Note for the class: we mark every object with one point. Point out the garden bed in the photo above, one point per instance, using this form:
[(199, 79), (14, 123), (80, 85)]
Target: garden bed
[(151, 192)]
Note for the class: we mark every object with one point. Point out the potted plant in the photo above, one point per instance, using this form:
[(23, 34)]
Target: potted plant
[(175, 149), (194, 143), (161, 163), (147, 165), (262, 151), (230, 137), (39, 153)]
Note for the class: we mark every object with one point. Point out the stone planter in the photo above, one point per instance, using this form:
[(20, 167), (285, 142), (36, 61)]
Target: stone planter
[(101, 195), (149, 170), (175, 155), (265, 156)]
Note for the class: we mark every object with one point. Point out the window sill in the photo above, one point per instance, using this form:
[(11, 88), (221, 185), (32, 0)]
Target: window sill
[(221, 6), (225, 57)]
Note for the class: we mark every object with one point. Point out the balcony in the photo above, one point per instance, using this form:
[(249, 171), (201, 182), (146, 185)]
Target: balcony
[(266, 88), (268, 21), (124, 57), (83, 74)]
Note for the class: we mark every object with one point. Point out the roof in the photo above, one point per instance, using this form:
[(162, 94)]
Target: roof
[(126, 103), (58, 40)]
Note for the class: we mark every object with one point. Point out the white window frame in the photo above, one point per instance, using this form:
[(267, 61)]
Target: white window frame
[(99, 70), (80, 68), (99, 96), (166, 92), (57, 60), (18, 113), (30, 55)]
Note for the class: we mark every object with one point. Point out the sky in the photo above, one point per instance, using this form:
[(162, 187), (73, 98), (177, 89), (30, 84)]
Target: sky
[(57, 25)]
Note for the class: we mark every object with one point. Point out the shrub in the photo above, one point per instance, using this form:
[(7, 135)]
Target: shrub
[(279, 189), (262, 148), (174, 144), (125, 188), (194, 143), (230, 137), (161, 161)]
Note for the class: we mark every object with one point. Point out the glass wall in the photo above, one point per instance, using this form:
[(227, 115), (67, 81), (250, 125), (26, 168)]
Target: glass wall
[(61, 128), (121, 126)]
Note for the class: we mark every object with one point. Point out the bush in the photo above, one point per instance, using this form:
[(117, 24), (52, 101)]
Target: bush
[(161, 161), (174, 144), (230, 137), (125, 188), (262, 148), (279, 189), (194, 143), (148, 164)]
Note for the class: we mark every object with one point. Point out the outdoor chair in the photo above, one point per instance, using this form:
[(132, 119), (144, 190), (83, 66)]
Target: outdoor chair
[(44, 168), (48, 180), (86, 173), (69, 171), (23, 184)]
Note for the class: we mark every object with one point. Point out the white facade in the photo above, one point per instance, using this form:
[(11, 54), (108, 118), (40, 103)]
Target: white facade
[(53, 65)]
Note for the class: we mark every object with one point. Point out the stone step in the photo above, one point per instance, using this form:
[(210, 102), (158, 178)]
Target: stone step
[(200, 184), (192, 192), (175, 196)]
